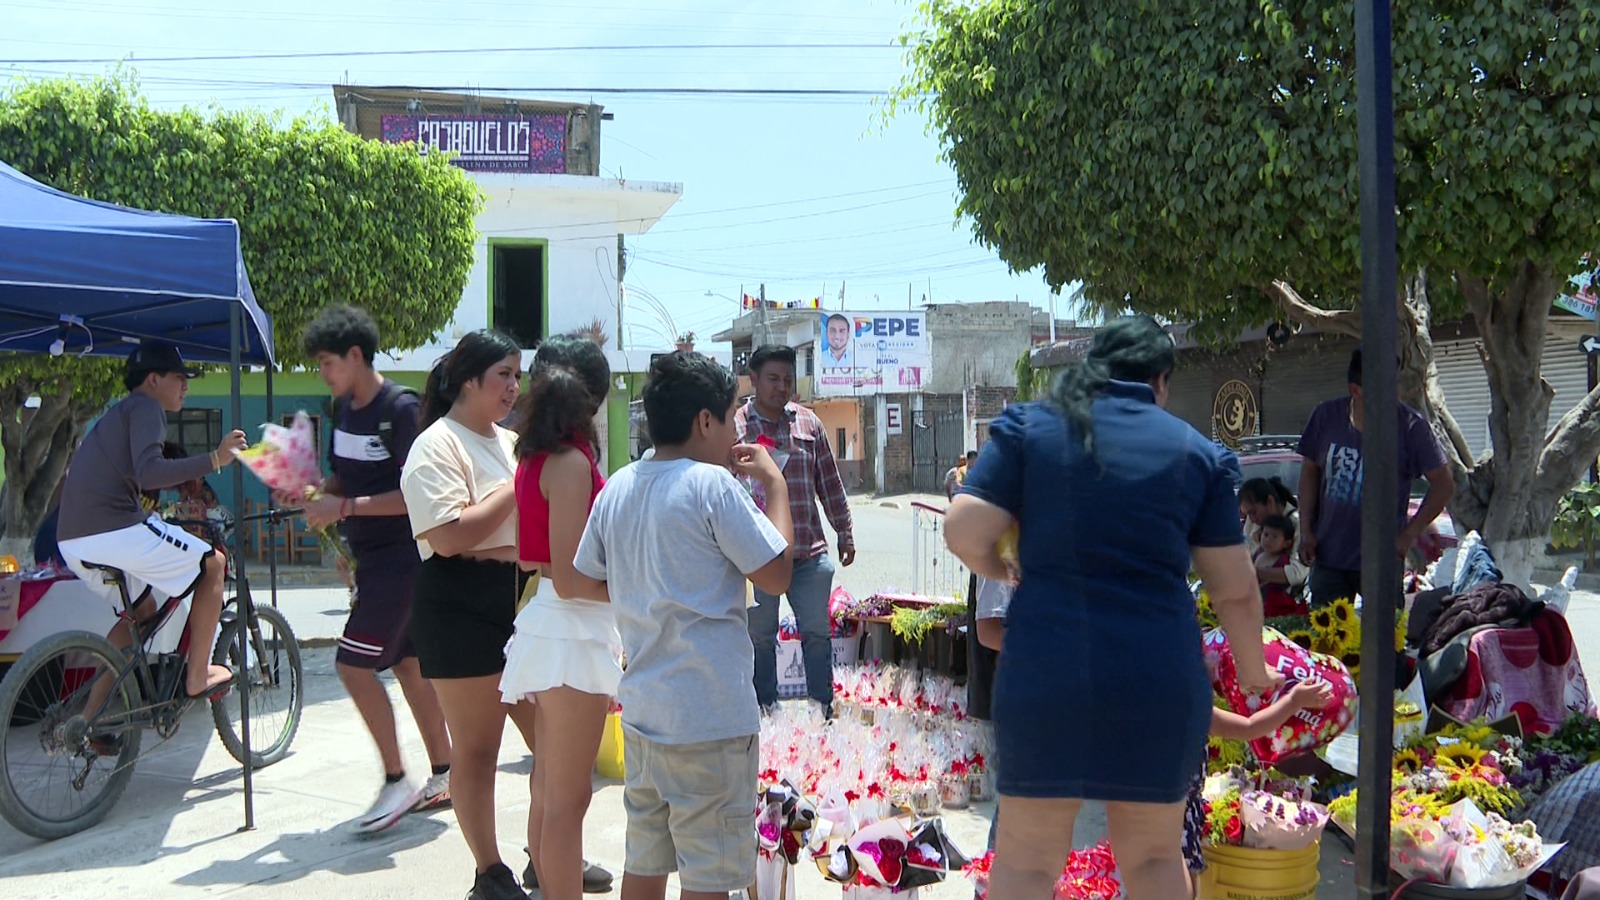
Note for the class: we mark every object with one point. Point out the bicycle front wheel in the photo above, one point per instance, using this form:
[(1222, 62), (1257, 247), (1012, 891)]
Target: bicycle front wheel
[(62, 766), (277, 688)]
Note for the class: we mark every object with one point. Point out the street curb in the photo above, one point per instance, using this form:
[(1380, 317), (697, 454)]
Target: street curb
[(316, 643), (1587, 581)]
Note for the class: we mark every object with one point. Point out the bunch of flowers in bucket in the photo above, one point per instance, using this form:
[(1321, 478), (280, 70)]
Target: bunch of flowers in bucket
[(1261, 809), (1453, 791), (1548, 759), (877, 790), (1090, 874), (911, 616)]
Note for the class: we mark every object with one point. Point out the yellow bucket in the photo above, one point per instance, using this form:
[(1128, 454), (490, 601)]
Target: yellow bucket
[(1245, 873), (609, 762)]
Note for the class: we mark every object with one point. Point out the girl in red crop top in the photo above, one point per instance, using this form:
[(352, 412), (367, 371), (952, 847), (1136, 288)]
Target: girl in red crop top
[(563, 656)]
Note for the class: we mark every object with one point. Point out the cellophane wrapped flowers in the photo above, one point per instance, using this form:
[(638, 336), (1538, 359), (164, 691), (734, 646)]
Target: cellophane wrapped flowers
[(1090, 874)]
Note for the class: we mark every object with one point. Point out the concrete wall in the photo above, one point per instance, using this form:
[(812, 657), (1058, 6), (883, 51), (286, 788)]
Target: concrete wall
[(983, 405), (844, 413), (977, 344)]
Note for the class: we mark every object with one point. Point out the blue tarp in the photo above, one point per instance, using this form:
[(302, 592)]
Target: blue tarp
[(127, 274)]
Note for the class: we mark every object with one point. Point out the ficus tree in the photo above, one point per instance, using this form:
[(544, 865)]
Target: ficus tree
[(324, 215), (1197, 160)]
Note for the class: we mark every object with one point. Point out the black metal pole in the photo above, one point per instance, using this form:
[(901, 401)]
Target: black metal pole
[(272, 527), (246, 611), (1380, 491)]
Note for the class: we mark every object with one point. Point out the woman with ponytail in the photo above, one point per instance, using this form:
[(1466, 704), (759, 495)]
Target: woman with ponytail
[(1116, 500), (457, 484), (563, 658)]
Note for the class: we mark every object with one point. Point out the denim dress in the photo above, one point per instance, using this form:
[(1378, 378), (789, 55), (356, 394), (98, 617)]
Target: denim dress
[(1101, 692)]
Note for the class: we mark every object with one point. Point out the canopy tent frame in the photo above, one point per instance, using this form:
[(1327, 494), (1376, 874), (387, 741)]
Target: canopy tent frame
[(62, 280)]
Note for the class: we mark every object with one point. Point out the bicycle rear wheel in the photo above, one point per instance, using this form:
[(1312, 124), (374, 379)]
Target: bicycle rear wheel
[(59, 772), (277, 688)]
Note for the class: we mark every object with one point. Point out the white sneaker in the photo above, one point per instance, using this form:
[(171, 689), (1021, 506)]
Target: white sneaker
[(435, 794), (394, 801)]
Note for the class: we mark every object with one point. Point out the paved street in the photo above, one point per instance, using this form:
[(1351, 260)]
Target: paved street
[(175, 833)]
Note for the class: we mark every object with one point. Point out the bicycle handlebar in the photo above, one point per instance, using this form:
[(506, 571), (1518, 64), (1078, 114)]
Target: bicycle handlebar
[(221, 529)]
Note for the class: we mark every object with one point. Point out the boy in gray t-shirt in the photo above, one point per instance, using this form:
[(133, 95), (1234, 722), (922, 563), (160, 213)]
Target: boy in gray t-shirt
[(673, 538)]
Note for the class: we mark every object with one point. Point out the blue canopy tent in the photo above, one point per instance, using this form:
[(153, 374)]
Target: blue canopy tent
[(99, 276), (78, 276)]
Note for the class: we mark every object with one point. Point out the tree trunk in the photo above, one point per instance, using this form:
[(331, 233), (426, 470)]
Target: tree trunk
[(1510, 497), (1510, 494), (38, 445)]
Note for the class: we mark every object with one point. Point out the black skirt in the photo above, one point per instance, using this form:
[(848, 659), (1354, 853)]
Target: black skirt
[(462, 615)]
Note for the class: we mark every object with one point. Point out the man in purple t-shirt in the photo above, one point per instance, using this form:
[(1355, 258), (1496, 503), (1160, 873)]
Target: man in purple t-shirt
[(1330, 489)]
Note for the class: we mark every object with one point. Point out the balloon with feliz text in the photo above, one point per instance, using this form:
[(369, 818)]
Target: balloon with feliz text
[(1307, 729)]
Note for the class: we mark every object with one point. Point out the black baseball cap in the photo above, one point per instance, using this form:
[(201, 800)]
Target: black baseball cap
[(161, 357)]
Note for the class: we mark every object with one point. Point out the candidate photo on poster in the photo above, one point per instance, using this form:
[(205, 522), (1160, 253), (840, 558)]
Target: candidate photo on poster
[(837, 343)]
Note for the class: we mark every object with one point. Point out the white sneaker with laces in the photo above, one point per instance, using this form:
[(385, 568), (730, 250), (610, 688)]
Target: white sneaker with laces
[(435, 794), (394, 801)]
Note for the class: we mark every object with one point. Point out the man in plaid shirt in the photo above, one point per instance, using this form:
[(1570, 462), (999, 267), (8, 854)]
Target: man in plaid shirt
[(800, 448)]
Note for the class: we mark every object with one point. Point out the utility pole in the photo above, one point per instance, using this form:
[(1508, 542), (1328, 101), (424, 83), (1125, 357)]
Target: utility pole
[(762, 316)]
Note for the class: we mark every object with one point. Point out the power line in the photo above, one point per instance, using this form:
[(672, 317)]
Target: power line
[(590, 48)]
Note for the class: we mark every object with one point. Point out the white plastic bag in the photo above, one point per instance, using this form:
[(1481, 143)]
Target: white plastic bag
[(1557, 596)]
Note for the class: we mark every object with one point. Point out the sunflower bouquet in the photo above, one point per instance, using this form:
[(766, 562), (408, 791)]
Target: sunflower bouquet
[(1454, 794)]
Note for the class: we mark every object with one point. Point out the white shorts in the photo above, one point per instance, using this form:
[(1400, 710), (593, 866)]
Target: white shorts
[(151, 554)]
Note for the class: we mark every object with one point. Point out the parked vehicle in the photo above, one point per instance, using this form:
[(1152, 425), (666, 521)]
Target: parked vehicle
[(1273, 455)]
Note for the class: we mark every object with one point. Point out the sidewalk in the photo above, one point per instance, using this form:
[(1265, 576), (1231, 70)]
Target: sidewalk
[(175, 833)]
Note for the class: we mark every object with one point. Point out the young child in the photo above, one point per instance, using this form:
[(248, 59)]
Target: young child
[(1277, 542), (1232, 726), (670, 541)]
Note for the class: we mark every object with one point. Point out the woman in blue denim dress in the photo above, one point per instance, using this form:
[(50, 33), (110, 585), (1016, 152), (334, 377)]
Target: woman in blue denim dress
[(1102, 693)]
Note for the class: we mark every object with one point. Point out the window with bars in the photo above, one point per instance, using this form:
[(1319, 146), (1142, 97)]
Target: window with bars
[(197, 431)]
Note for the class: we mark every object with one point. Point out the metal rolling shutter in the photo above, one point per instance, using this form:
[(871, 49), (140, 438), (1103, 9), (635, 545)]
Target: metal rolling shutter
[(1466, 387)]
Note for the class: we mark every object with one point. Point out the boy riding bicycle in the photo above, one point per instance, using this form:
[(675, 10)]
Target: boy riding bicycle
[(104, 523)]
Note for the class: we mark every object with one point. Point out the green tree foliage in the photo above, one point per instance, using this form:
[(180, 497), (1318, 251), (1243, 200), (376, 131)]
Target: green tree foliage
[(325, 216), (1197, 160)]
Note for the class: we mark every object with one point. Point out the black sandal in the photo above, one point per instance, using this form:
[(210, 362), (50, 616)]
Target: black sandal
[(216, 691)]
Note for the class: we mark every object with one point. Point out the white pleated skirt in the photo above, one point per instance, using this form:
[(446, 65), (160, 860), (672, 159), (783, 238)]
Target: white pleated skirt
[(561, 643)]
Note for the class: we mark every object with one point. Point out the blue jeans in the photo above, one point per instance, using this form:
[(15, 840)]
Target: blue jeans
[(808, 597)]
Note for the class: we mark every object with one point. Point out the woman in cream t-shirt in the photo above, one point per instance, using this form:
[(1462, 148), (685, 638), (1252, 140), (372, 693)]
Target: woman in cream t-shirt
[(457, 484)]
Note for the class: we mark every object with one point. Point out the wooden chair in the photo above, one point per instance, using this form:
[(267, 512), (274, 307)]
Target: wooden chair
[(303, 542), (264, 545)]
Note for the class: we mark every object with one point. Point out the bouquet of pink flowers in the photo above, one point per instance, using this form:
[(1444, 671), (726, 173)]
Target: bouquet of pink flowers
[(286, 458), (1090, 874)]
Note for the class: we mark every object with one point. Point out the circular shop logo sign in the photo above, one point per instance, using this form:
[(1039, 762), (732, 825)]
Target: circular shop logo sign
[(1234, 415)]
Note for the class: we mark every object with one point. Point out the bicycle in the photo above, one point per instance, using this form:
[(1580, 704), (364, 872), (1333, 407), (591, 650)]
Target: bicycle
[(50, 744)]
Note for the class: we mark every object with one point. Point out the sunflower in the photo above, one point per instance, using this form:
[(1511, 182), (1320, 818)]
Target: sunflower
[(1461, 756), (1408, 761), (1302, 637), (1479, 733), (1322, 620), (1343, 611), (1352, 663)]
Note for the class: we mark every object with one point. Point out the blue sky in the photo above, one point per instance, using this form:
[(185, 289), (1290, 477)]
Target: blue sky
[(843, 196)]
